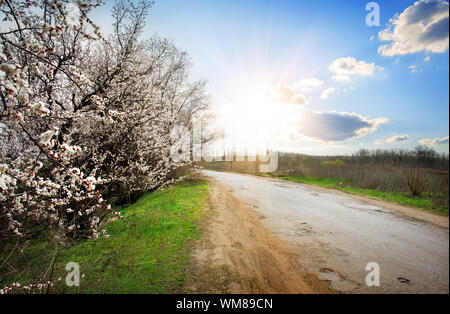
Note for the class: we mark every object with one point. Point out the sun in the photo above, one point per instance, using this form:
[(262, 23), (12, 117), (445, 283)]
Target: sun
[(253, 122)]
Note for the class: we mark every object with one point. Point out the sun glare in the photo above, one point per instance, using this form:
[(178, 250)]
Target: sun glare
[(254, 122)]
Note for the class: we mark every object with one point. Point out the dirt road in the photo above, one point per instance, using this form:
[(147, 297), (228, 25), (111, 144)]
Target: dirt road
[(237, 254), (284, 237)]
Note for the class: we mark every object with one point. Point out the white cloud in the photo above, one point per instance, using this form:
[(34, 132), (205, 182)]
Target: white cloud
[(421, 27), (336, 126), (395, 139), (413, 68), (284, 94), (434, 142), (308, 83), (427, 58), (326, 93), (346, 67), (341, 78)]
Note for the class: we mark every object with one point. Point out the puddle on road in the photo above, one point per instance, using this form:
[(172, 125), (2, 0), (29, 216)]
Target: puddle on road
[(329, 275), (337, 282)]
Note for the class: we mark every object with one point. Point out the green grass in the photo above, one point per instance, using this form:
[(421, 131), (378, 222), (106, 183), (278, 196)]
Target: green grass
[(422, 203), (150, 257)]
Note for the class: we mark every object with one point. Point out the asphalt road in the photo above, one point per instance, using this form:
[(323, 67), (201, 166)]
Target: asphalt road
[(336, 236)]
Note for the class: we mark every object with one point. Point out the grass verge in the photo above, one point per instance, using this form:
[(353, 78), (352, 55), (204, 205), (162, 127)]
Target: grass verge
[(150, 257)]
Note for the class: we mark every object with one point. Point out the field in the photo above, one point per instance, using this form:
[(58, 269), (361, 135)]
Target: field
[(149, 255)]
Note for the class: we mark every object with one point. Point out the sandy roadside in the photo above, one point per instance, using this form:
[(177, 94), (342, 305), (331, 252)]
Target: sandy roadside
[(237, 254)]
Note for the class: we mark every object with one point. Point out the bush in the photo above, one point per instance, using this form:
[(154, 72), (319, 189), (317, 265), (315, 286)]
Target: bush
[(416, 181)]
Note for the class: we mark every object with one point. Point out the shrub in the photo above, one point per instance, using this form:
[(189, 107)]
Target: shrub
[(416, 181)]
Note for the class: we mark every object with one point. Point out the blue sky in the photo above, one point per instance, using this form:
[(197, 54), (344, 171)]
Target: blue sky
[(241, 45)]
